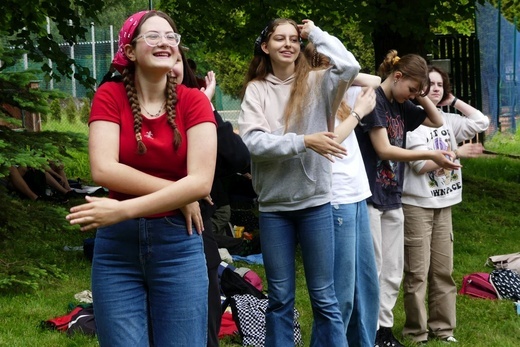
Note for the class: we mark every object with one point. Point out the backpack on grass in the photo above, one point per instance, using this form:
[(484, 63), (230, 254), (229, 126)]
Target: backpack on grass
[(506, 283), (478, 285), (79, 320)]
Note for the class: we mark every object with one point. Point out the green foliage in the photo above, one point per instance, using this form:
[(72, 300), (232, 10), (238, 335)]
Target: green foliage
[(84, 111), (230, 69), (71, 111), (55, 110), (510, 9), (24, 25), (15, 91), (35, 149), (27, 223), (504, 143)]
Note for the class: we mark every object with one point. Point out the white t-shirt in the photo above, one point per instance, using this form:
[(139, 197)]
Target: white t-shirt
[(349, 179)]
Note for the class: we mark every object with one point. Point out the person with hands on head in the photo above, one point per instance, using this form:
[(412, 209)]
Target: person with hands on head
[(382, 140), (152, 143), (429, 192), (355, 273), (283, 122)]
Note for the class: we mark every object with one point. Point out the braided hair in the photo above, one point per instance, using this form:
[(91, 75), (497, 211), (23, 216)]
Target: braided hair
[(170, 93)]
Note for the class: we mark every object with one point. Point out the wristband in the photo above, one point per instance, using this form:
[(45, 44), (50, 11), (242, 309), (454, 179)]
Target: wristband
[(357, 117), (453, 102)]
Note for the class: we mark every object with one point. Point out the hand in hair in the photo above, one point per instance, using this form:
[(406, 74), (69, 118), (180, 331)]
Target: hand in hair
[(323, 143), (365, 102), (306, 28)]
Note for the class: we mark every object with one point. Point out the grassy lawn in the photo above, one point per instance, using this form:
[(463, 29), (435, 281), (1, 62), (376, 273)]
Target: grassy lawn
[(486, 223)]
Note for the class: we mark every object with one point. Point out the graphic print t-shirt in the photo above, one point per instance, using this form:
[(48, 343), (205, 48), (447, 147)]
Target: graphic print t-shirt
[(386, 176)]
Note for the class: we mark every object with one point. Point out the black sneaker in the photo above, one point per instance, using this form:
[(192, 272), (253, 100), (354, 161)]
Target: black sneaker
[(379, 340), (388, 339)]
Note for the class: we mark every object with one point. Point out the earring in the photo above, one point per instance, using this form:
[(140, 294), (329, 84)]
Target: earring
[(395, 81)]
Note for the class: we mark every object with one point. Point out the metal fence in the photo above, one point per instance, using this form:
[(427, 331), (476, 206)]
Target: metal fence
[(483, 67), (500, 67), (96, 55)]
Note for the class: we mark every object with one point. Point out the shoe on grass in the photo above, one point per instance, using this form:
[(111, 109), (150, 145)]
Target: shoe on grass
[(385, 338), (450, 339)]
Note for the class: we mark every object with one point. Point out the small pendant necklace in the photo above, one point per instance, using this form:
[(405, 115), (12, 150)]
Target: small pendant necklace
[(156, 114)]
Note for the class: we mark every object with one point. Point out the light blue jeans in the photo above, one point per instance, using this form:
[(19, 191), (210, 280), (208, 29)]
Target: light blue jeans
[(150, 284), (355, 273), (280, 233)]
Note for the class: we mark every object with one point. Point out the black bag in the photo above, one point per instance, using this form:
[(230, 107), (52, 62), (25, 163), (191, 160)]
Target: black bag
[(231, 283), (83, 322), (507, 283)]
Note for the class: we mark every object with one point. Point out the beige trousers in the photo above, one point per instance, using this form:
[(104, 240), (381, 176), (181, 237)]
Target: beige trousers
[(429, 289)]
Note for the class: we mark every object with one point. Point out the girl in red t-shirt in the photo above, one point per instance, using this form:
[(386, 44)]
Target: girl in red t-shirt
[(152, 143)]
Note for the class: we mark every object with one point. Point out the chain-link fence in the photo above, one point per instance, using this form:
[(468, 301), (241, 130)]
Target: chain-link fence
[(96, 55), (500, 67)]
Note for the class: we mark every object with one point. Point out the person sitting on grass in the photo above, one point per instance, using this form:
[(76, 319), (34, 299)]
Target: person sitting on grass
[(32, 184)]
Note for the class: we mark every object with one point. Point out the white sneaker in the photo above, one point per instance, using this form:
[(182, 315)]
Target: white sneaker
[(450, 339)]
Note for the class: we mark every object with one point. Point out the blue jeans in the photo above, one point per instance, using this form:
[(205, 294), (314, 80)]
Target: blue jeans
[(280, 233), (355, 273), (150, 284)]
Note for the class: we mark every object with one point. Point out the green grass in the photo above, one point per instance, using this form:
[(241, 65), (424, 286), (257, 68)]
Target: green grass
[(504, 143), (65, 125), (486, 223)]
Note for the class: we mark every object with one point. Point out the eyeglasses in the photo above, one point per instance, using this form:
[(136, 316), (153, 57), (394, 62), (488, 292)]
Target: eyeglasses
[(153, 39)]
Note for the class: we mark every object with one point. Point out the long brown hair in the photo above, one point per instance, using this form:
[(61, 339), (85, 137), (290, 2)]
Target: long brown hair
[(170, 91), (412, 66), (318, 61), (260, 66)]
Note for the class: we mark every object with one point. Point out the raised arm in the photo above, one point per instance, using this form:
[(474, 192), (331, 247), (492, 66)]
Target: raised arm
[(433, 116)]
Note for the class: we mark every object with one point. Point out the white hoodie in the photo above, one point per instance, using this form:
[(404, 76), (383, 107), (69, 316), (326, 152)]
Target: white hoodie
[(439, 188)]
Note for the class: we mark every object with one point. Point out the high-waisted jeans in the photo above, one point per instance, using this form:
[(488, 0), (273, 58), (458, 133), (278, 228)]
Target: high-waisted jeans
[(280, 233), (150, 284)]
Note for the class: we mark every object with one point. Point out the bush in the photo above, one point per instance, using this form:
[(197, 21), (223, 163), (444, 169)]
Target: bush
[(71, 110), (55, 110), (84, 111)]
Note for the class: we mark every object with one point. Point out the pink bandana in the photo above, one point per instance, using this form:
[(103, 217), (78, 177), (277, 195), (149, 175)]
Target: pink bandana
[(125, 37)]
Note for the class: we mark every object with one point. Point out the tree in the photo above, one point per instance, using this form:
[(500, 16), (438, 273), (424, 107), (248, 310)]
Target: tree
[(24, 24), (230, 27), (510, 9), (223, 32)]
